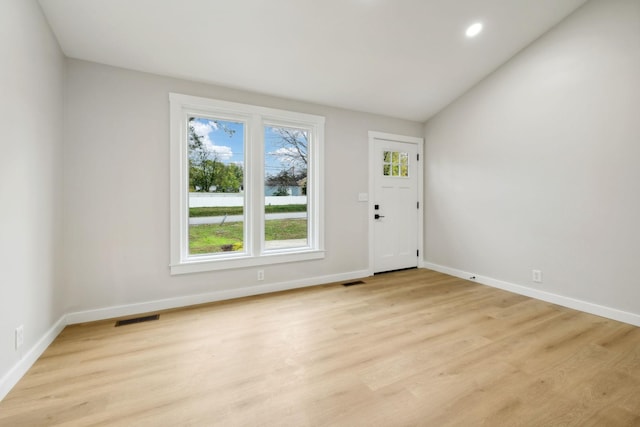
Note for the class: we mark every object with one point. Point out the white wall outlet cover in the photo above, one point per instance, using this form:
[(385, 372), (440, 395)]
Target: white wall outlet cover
[(19, 336), (536, 276)]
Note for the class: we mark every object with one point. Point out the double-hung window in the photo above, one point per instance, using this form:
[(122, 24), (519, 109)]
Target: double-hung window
[(246, 185)]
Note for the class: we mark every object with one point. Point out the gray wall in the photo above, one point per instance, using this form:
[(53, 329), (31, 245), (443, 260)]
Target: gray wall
[(31, 84), (538, 165), (117, 145)]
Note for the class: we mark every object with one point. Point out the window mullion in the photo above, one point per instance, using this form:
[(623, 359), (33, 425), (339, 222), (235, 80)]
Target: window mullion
[(256, 203)]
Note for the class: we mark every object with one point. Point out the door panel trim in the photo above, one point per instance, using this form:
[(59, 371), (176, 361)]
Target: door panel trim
[(375, 135)]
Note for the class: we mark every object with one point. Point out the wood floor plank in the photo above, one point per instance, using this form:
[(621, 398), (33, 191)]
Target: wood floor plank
[(411, 348)]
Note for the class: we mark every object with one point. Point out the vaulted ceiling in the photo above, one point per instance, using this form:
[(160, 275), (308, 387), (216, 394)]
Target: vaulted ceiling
[(400, 58)]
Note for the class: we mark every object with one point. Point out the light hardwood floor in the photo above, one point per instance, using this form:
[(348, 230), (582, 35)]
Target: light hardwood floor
[(408, 348)]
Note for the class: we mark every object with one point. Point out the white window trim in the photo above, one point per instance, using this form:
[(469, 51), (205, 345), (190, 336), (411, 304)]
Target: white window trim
[(255, 117)]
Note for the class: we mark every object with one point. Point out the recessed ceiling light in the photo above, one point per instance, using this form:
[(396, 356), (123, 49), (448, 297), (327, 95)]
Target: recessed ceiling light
[(474, 29)]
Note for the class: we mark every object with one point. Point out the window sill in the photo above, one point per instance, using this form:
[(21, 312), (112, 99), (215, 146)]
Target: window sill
[(209, 264)]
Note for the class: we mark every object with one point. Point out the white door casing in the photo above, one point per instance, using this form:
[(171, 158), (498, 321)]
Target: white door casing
[(395, 183)]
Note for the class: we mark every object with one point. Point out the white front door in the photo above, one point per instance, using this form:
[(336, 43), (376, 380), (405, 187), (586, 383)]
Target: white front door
[(395, 204)]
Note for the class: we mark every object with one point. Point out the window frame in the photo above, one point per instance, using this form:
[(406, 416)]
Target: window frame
[(256, 118)]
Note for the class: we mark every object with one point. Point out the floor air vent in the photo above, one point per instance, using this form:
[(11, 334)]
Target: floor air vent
[(357, 282), (137, 320)]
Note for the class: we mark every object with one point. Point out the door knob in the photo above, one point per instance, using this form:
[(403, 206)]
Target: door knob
[(376, 216)]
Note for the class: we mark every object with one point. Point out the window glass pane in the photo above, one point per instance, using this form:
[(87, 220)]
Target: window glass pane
[(386, 170), (404, 164), (216, 186), (285, 187), (395, 170), (386, 157)]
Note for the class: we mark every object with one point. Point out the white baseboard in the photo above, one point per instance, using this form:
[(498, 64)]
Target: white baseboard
[(12, 377), (187, 300), (576, 304)]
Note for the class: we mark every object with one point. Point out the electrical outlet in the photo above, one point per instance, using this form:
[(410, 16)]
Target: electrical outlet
[(536, 276), (19, 336), (260, 274)]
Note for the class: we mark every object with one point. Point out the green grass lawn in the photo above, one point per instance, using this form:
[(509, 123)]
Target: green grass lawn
[(213, 238), (237, 210)]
